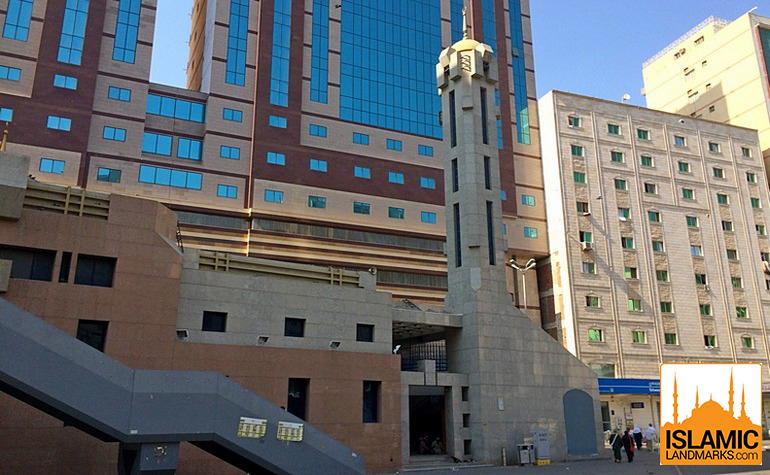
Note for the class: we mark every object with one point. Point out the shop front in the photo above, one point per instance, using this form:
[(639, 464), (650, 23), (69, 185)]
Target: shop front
[(626, 402)]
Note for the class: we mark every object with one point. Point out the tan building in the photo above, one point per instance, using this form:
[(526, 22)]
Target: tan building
[(716, 71), (659, 246)]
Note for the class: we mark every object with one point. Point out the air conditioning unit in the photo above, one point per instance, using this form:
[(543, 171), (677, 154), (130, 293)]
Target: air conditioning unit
[(587, 246), (766, 267), (586, 213), (623, 218), (182, 334)]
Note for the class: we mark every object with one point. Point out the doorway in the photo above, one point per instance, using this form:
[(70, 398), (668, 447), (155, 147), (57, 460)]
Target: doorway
[(427, 426)]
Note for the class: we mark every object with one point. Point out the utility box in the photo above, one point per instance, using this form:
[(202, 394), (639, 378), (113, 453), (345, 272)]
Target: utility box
[(526, 453), (542, 447)]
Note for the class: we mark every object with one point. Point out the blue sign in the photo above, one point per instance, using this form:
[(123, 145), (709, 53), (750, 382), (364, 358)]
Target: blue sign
[(629, 386)]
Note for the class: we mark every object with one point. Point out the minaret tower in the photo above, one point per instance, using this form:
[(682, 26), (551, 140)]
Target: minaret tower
[(696, 398), (676, 405), (730, 402), (743, 401)]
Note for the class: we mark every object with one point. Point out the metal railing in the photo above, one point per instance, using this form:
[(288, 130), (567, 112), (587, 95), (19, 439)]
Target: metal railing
[(678, 41), (411, 355), (66, 200)]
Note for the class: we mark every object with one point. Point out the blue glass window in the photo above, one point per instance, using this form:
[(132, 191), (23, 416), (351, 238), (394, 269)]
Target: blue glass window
[(359, 138), (73, 31), (227, 191), (237, 40), (316, 202), (233, 153), (456, 12), (317, 130), (114, 133), (279, 71), (17, 19), (6, 115), (66, 82), (157, 144), (119, 94), (127, 31), (499, 120), (519, 73), (395, 177), (274, 196), (361, 208), (233, 114), (428, 217), (108, 174), (170, 177), (277, 121), (396, 213), (318, 165), (276, 158), (176, 108), (9, 73), (503, 195), (59, 123), (428, 183), (49, 165), (189, 148), (530, 232), (362, 172), (528, 200), (488, 21), (388, 64), (319, 73), (426, 150), (393, 144)]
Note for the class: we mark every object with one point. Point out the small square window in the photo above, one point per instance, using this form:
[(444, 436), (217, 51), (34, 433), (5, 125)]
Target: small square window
[(294, 327), (362, 172), (688, 193), (235, 115), (737, 282), (654, 216), (680, 141), (93, 333), (643, 134), (579, 177), (595, 334), (723, 199), (627, 242), (751, 177), (651, 188), (760, 229), (530, 232), (573, 121), (741, 312), (632, 273), (592, 301), (718, 172), (528, 200), (638, 336), (666, 307), (582, 207), (745, 152), (647, 161), (49, 165), (710, 341), (661, 275), (316, 202), (732, 254), (214, 321), (634, 305), (227, 191), (425, 150), (317, 130), (621, 185), (428, 217), (395, 213), (585, 236), (393, 144), (577, 150), (684, 167), (657, 246), (108, 174), (277, 121), (10, 73), (429, 183), (696, 251), (589, 268), (361, 208), (361, 139), (613, 129), (276, 158), (364, 332), (318, 165), (727, 226), (394, 177), (700, 279), (616, 157), (669, 338), (714, 147), (273, 196), (748, 342), (624, 213), (755, 203), (704, 309), (119, 94)]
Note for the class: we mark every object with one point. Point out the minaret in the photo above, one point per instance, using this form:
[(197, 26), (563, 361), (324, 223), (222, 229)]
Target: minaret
[(676, 414), (730, 403), (696, 397), (743, 401)]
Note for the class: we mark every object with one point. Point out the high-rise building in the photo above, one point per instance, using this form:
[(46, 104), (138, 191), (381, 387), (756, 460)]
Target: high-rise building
[(659, 246), (716, 71), (309, 131)]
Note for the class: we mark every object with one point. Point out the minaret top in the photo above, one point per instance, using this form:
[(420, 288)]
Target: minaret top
[(467, 43)]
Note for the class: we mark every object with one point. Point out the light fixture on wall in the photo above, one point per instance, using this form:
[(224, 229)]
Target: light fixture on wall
[(334, 344), (396, 348), (182, 334), (262, 339)]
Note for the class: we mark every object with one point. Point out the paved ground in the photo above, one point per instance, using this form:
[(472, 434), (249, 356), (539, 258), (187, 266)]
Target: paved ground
[(645, 463)]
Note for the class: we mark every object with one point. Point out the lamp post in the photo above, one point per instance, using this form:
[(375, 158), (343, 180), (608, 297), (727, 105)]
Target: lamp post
[(530, 264)]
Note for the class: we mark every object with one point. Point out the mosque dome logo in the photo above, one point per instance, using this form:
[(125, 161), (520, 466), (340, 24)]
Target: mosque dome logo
[(711, 414)]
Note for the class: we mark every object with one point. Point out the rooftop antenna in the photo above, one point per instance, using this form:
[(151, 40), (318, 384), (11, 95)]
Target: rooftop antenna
[(466, 28)]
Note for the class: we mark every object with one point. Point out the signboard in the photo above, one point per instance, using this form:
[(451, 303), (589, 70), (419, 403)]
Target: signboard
[(290, 431), (637, 405), (629, 386), (252, 428)]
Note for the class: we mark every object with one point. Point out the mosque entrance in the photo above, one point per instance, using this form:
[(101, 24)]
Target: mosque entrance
[(427, 420)]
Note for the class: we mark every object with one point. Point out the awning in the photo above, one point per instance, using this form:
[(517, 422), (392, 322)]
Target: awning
[(629, 386)]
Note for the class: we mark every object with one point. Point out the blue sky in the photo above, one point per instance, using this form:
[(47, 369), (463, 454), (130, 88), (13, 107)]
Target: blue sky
[(590, 47)]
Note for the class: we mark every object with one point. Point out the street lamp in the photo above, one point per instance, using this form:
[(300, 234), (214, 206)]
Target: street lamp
[(530, 264)]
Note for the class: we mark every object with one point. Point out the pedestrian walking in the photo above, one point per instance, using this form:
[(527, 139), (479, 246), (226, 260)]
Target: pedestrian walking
[(650, 437), (638, 437), (628, 445), (616, 443)]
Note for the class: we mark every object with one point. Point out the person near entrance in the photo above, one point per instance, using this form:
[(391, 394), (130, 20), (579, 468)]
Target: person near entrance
[(437, 446), (638, 437), (616, 443), (628, 445), (650, 437)]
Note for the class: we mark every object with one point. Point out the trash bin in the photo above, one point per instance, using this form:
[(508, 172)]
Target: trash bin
[(526, 453)]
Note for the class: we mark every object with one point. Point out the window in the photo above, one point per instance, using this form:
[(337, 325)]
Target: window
[(528, 200), (573, 121), (176, 108), (394, 177), (49, 165), (657, 246), (592, 301), (639, 336), (704, 309), (577, 150), (651, 188), (73, 31), (585, 236), (108, 174), (279, 73), (318, 165), (237, 35), (732, 254), (276, 158), (59, 123), (621, 185), (119, 94), (277, 121), (6, 115), (760, 229), (316, 202), (233, 153), (727, 226), (692, 221), (669, 338), (227, 191), (751, 177), (737, 282), (741, 312), (718, 172), (93, 333), (765, 256), (680, 141), (632, 273), (428, 217), (362, 172), (294, 327), (755, 203), (235, 115), (396, 213), (393, 144), (362, 139), (722, 199), (170, 177), (666, 307), (647, 161), (274, 196), (634, 305), (688, 193), (126, 31), (361, 208), (589, 268), (214, 321), (684, 167), (748, 342), (654, 216), (114, 133), (696, 251), (603, 370), (643, 134), (65, 82), (425, 150), (157, 144), (296, 401), (624, 213), (616, 156), (582, 207), (745, 152), (9, 73), (595, 334), (579, 177), (701, 279), (627, 242), (317, 130), (530, 232), (613, 129), (371, 401), (31, 264), (503, 195), (364, 332), (95, 270), (714, 147), (710, 341), (661, 275), (429, 183), (189, 148), (17, 19)]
